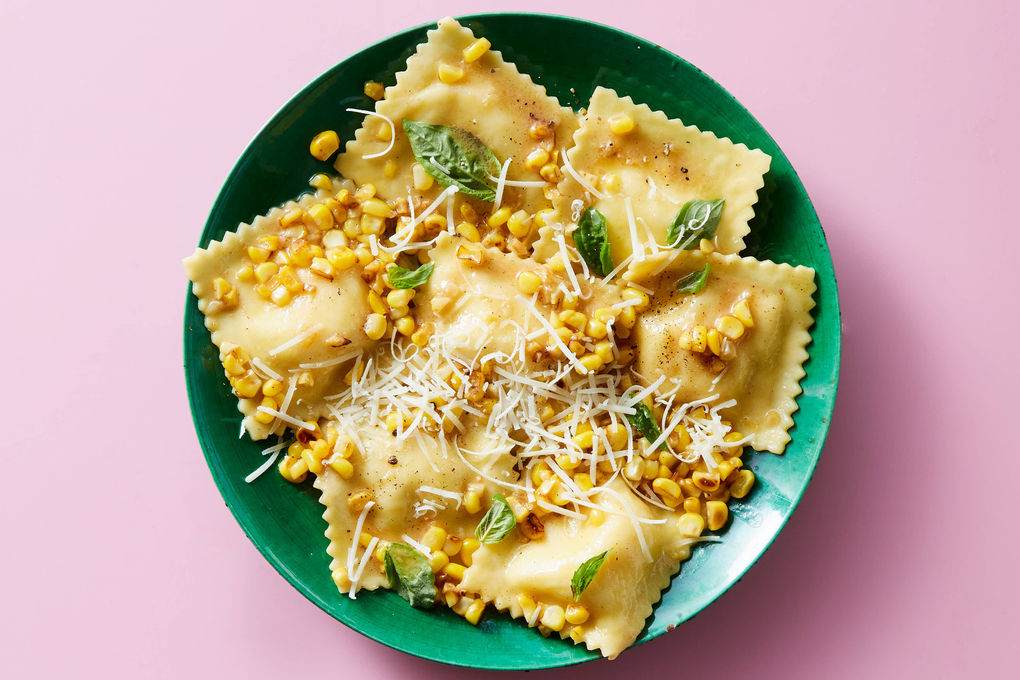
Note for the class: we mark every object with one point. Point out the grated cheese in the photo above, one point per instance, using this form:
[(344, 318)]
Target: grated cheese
[(577, 176), (500, 183), (300, 337), (393, 132)]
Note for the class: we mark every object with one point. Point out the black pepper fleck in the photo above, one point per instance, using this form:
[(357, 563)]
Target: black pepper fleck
[(392, 460)]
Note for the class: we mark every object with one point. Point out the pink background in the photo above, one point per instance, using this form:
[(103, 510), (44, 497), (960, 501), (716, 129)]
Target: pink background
[(119, 122)]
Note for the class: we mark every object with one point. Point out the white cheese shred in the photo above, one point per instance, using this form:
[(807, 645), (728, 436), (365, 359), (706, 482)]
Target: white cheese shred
[(580, 180), (393, 132), (297, 339), (500, 184)]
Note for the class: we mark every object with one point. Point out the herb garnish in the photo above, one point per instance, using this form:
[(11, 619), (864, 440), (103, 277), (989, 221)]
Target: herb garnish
[(696, 220), (454, 157), (644, 422), (693, 282), (585, 574), (592, 240), (410, 574), (497, 522), (409, 278)]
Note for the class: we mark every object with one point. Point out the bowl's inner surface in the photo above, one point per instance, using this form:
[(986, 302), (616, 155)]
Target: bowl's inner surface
[(570, 58)]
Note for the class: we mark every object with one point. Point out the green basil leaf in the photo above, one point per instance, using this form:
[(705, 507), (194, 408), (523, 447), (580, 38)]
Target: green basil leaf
[(497, 522), (407, 278), (696, 220), (454, 157), (410, 574), (592, 240), (585, 574), (644, 422), (693, 282)]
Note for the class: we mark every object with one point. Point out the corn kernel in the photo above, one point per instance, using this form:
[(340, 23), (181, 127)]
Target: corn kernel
[(699, 338), (714, 341), (706, 245), (730, 326), (449, 73), (691, 524), (667, 487), (469, 232), (742, 484), (454, 571), (536, 159), (294, 470), (374, 206), (472, 502), (324, 145), (553, 617), (634, 469), (434, 538), (404, 325), (365, 192), (281, 296), (621, 124), (322, 216), (717, 513), (742, 310), (627, 318), (604, 350), (692, 505), (341, 258), (314, 464), (439, 560), (706, 481), (576, 614), (476, 49), (264, 291), (499, 217), (474, 612), (642, 297), (341, 580), (590, 362), (375, 326), (342, 467), (519, 224), (322, 267), (611, 183), (467, 549), (528, 282), (262, 416), (550, 172), (258, 254), (422, 180), (470, 254), (617, 436), (583, 481), (357, 500), (374, 90)]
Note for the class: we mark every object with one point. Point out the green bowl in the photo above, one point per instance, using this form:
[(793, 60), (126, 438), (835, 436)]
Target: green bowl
[(285, 521)]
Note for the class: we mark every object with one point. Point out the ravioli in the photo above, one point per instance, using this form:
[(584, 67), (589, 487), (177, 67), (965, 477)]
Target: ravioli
[(303, 344), (491, 99), (764, 373), (654, 169)]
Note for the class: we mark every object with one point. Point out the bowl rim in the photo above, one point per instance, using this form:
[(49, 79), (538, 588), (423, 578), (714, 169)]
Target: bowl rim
[(207, 449)]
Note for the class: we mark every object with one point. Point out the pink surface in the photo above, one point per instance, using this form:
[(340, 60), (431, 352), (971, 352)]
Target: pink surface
[(119, 123)]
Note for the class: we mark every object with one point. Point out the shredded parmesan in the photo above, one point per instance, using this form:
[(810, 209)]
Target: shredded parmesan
[(577, 176), (261, 367), (636, 245), (500, 183), (290, 420), (297, 339), (393, 132)]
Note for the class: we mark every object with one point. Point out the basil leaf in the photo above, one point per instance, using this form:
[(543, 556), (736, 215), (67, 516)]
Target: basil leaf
[(585, 574), (407, 278), (644, 422), (410, 574), (497, 522), (696, 220), (454, 157), (693, 282), (592, 240)]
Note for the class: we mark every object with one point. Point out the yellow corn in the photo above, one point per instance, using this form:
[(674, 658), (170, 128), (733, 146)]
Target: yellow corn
[(294, 470), (450, 74), (692, 505), (730, 326), (544, 218), (322, 267), (341, 258), (583, 440), (324, 144), (714, 341), (405, 325), (288, 278), (469, 232), (452, 545), (634, 294), (377, 208), (499, 217), (617, 436), (706, 481), (246, 274), (611, 183), (454, 571), (691, 524), (434, 538), (400, 297), (519, 224), (439, 560), (422, 335), (258, 254), (621, 124), (475, 50), (281, 296), (634, 469), (576, 614), (375, 326), (706, 245), (742, 310), (742, 484), (536, 159), (364, 192), (604, 350), (553, 617), (528, 282), (357, 500), (468, 549), (724, 470), (266, 271), (422, 180), (340, 579), (474, 612), (550, 172), (314, 464), (263, 417), (375, 303), (717, 513), (665, 486), (470, 254), (342, 467), (590, 362), (627, 318), (374, 90), (321, 181), (472, 502), (527, 603), (321, 215), (583, 481)]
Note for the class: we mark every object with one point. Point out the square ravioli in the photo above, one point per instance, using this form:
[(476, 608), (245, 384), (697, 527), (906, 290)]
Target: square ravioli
[(638, 167), (743, 337), (287, 321), (445, 84)]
